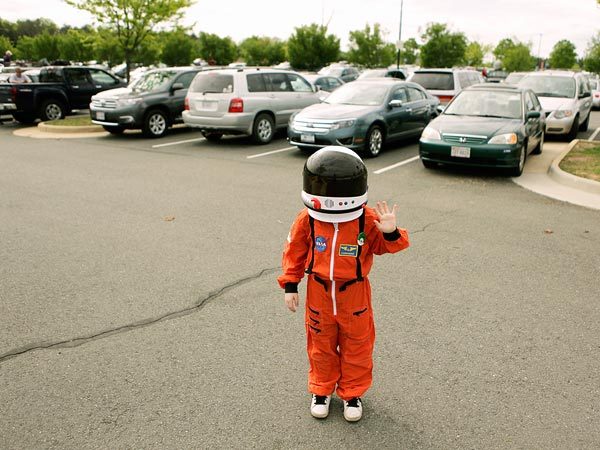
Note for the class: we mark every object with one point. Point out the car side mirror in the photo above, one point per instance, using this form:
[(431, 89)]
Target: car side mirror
[(533, 115), (585, 94), (395, 103), (176, 86), (440, 109)]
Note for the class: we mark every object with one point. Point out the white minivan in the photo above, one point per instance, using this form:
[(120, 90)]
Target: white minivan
[(446, 83)]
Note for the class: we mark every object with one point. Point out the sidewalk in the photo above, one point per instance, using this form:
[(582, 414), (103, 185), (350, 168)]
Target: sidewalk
[(539, 178)]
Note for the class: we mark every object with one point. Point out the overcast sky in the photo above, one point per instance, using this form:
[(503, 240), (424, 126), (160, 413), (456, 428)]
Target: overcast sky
[(539, 22)]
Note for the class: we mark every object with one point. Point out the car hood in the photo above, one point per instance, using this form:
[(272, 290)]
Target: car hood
[(332, 112), (117, 93), (553, 103), (478, 126)]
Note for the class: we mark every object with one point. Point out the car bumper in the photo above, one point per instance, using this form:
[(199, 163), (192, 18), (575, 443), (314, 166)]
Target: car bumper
[(559, 126), (238, 123), (479, 155), (123, 117), (7, 107), (351, 138)]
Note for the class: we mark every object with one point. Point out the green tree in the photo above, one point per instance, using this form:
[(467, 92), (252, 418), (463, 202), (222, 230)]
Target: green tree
[(519, 58), (310, 47), (474, 54), (8, 30), (77, 45), (563, 55), (35, 27), (503, 46), (367, 48), (106, 47), (262, 51), (178, 48), (591, 62), (441, 47), (132, 21), (5, 44), (410, 51), (217, 50)]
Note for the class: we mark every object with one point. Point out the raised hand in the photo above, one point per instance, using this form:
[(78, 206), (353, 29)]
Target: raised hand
[(387, 218)]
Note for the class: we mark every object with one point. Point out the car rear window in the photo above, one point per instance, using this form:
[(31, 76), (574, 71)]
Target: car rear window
[(439, 81), (212, 82), (256, 82), (51, 75)]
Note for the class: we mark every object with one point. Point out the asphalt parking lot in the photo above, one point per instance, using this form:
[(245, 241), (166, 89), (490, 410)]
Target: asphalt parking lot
[(139, 304)]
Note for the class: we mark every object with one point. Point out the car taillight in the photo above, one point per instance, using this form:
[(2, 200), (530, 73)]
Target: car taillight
[(13, 93), (236, 105), (597, 95), (444, 98), (186, 104)]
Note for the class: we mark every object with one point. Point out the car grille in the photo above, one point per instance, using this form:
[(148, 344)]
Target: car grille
[(317, 127), (464, 139), (106, 103)]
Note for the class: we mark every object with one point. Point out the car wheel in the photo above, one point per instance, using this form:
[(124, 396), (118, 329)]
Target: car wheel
[(518, 169), (212, 137), (51, 110), (538, 149), (306, 149), (584, 126), (24, 118), (429, 164), (375, 141), (263, 129), (574, 129), (155, 124), (113, 130)]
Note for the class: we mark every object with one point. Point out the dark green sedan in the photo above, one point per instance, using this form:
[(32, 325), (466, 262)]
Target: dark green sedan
[(486, 125)]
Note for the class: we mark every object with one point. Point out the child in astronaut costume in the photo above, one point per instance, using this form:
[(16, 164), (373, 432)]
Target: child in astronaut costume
[(333, 240)]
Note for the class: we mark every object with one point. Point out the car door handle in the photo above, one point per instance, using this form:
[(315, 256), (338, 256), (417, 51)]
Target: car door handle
[(99, 86), (408, 110), (75, 87)]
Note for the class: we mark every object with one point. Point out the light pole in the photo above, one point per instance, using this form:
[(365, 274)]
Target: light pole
[(540, 52), (399, 43)]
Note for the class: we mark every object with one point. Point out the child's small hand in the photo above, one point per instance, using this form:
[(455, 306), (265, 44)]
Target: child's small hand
[(387, 218), (291, 301)]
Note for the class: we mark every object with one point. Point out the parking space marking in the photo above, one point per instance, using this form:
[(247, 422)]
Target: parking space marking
[(593, 136), (393, 166), (258, 155), (177, 142)]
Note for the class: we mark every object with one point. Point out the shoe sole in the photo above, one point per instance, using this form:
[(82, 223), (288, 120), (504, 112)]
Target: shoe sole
[(317, 416), (352, 419)]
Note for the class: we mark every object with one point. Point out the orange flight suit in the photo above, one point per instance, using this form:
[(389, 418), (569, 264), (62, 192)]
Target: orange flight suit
[(339, 318)]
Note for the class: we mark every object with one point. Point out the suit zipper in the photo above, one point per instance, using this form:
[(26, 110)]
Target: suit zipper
[(331, 268)]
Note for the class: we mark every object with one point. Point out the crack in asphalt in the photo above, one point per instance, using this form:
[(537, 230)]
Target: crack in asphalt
[(77, 341)]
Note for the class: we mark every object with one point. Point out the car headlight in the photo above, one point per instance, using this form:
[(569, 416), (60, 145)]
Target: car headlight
[(431, 134), (562, 113), (343, 124), (509, 138), (129, 101)]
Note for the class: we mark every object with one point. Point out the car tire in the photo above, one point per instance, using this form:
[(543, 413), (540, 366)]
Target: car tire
[(429, 164), (538, 149), (113, 130), (263, 129), (212, 137), (374, 142), (584, 126), (24, 118), (306, 149), (518, 169), (574, 129), (155, 124), (52, 110)]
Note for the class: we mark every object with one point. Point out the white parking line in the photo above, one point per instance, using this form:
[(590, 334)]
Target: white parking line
[(258, 155), (393, 166), (593, 136), (177, 142)]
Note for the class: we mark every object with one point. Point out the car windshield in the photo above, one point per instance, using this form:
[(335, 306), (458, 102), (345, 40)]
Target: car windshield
[(332, 71), (514, 78), (153, 81), (440, 81), (550, 86), (366, 94), (212, 82), (484, 103)]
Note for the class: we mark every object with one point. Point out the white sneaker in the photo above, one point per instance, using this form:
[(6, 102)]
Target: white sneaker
[(319, 406), (353, 409)]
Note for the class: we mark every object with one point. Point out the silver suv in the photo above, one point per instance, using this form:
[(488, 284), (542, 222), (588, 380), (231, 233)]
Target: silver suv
[(566, 98), (246, 101)]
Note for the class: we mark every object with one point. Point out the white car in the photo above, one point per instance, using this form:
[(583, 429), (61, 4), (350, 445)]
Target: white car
[(566, 98), (446, 83), (595, 86)]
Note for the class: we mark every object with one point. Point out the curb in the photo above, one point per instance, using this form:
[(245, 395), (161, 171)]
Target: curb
[(562, 177), (69, 129)]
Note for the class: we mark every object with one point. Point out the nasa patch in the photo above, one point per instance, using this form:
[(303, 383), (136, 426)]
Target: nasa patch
[(320, 243)]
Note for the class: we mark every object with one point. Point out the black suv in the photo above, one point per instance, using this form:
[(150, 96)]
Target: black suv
[(152, 103)]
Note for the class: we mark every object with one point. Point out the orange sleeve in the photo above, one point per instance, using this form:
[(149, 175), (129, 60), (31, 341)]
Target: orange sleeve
[(295, 253)]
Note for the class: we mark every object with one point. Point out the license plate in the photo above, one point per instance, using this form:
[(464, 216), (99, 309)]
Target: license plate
[(460, 152), (307, 138), (100, 115), (208, 106)]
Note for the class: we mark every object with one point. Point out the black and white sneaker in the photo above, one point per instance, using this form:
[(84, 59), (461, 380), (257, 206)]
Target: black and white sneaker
[(353, 409), (319, 406)]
